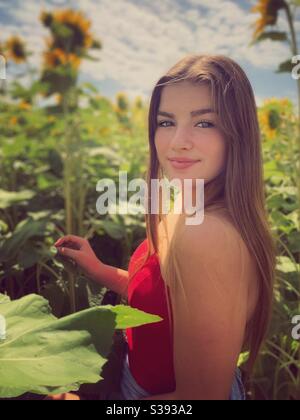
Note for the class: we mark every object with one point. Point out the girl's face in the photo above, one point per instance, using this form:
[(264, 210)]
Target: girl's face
[(186, 134)]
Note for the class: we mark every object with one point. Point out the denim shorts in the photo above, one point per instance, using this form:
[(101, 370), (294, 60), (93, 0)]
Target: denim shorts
[(131, 390)]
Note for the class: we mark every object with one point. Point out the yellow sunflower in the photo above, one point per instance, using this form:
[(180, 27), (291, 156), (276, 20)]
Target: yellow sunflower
[(55, 58), (24, 105), (80, 25), (15, 48), (272, 115), (269, 12), (264, 123), (74, 60), (58, 57), (14, 120), (58, 98), (122, 104)]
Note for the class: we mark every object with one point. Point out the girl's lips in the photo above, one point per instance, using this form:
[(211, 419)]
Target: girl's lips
[(183, 165)]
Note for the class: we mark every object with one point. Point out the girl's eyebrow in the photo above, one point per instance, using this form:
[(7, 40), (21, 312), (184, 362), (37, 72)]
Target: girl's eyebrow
[(193, 113)]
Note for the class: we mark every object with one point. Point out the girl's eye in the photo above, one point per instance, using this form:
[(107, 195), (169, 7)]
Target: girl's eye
[(160, 124), (209, 124)]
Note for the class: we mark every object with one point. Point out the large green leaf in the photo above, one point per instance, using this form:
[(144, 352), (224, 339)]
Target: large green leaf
[(45, 355)]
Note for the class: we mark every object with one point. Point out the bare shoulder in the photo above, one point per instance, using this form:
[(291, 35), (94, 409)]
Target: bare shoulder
[(217, 228), (218, 242)]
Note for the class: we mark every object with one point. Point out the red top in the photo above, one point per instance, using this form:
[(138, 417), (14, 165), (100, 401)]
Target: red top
[(150, 347)]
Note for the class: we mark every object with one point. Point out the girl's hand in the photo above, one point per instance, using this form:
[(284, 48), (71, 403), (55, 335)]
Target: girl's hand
[(79, 251)]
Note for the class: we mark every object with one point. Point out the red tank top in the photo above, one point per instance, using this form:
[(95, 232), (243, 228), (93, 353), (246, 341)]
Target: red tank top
[(150, 347)]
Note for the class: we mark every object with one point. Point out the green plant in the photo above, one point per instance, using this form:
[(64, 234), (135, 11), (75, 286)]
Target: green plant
[(45, 355)]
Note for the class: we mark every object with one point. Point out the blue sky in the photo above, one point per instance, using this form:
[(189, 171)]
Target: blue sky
[(144, 38)]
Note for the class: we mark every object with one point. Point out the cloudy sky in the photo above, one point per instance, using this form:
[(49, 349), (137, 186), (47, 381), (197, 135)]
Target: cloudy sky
[(144, 38)]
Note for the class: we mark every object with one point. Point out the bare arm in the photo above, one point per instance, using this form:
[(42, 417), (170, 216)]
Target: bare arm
[(80, 251), (211, 320), (113, 278)]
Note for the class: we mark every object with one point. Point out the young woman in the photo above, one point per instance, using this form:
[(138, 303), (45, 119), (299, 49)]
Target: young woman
[(212, 283)]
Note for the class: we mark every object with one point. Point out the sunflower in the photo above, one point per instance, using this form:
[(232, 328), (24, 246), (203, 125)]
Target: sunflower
[(14, 120), (78, 24), (59, 98), (58, 57), (15, 48), (24, 105), (55, 58), (46, 18), (264, 122), (269, 13), (1, 49), (122, 103), (74, 60), (272, 116)]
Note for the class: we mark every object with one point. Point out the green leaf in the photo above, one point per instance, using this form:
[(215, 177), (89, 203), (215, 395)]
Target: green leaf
[(285, 67), (282, 222), (4, 298), (286, 265), (293, 216), (29, 255), (89, 86), (130, 318), (271, 170), (9, 198), (273, 35), (104, 152), (89, 57), (3, 228), (45, 355), (243, 357), (114, 230), (25, 230)]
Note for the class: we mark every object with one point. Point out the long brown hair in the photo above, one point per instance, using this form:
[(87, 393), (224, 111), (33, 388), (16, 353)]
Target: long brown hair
[(240, 188)]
